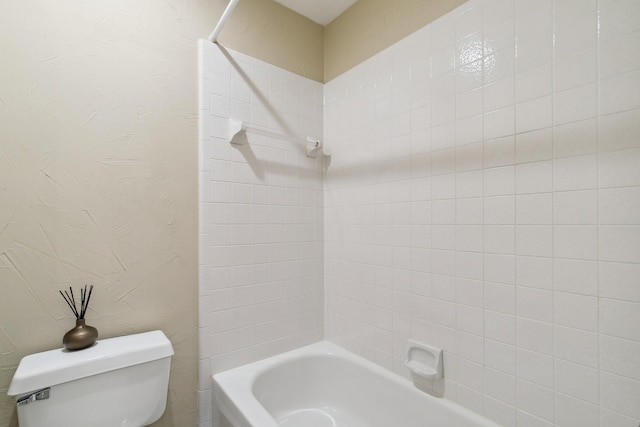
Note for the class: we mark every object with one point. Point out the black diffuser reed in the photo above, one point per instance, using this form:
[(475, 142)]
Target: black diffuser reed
[(83, 335), (84, 301)]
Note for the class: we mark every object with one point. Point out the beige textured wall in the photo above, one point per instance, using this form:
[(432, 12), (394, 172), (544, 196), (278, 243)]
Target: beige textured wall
[(370, 26), (98, 167), (277, 35)]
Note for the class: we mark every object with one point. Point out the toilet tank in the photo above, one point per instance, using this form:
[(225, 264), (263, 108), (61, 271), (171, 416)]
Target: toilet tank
[(117, 382)]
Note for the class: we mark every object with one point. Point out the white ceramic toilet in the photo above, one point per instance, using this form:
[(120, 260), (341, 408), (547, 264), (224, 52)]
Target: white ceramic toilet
[(117, 382)]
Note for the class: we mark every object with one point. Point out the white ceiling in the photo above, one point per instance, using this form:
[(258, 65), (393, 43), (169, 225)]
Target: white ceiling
[(320, 11)]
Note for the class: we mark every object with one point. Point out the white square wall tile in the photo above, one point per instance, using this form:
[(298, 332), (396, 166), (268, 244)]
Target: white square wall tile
[(499, 210), (500, 297), (499, 327), (500, 268), (575, 242), (576, 276), (469, 211), (620, 394), (219, 61), (469, 238), (500, 356), (577, 138), (499, 412), (498, 95), (534, 16), (619, 243), (535, 399), (469, 319), (618, 131), (619, 281), (576, 380), (496, 11), (577, 20), (568, 410), (619, 206), (469, 265), (534, 177), (575, 173), (534, 240), (470, 374), (575, 69), (499, 181), (469, 398), (619, 356), (576, 311), (499, 152), (220, 85), (443, 110), (525, 419), (534, 82), (533, 47), (469, 76), (575, 207), (575, 104), (620, 319), (469, 103), (499, 123), (500, 385), (619, 168), (611, 418), (499, 239), (534, 146), (470, 347), (443, 162), (534, 209), (535, 304), (469, 155), (469, 292), (536, 272), (616, 57), (576, 345), (535, 367), (469, 19), (534, 114), (535, 335), (619, 93), (497, 66), (469, 184)]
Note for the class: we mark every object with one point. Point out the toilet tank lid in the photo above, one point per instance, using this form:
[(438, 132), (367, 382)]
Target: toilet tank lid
[(41, 370)]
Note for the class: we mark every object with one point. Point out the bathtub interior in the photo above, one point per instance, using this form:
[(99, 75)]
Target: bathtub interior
[(314, 391)]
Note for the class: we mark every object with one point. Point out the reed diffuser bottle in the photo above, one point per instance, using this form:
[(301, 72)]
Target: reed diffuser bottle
[(83, 335)]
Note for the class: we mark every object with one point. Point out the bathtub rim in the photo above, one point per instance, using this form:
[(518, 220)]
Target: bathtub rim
[(236, 384)]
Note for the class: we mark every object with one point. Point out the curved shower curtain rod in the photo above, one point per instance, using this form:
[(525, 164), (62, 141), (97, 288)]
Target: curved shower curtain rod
[(213, 38)]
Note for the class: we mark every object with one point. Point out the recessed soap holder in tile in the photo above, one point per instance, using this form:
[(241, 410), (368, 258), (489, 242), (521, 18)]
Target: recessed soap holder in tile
[(424, 361)]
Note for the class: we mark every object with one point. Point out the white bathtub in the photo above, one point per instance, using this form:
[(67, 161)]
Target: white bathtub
[(325, 385)]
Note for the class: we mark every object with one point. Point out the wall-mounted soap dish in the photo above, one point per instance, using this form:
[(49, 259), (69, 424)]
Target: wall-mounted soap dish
[(424, 361)]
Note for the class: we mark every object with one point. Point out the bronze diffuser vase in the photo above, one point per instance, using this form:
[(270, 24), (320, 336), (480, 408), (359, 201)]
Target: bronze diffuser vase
[(83, 335)]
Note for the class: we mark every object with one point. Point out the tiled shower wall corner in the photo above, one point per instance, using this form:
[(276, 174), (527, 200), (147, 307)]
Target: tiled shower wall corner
[(484, 196), (261, 214)]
